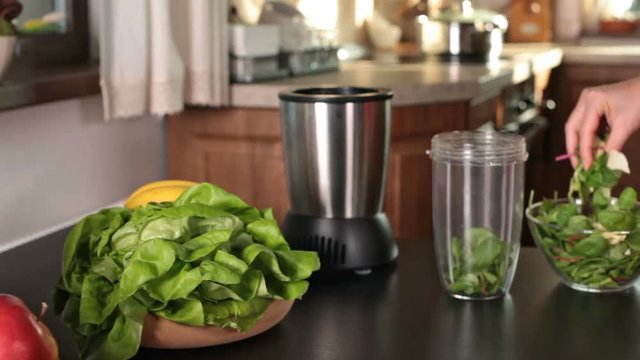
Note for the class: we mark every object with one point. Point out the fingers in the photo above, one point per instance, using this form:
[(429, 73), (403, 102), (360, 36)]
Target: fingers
[(588, 128), (571, 130), (617, 138), (582, 125)]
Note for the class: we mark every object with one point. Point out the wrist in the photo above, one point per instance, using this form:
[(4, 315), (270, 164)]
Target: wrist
[(634, 86)]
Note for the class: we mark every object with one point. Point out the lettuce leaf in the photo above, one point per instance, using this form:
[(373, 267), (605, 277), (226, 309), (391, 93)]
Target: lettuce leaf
[(208, 258)]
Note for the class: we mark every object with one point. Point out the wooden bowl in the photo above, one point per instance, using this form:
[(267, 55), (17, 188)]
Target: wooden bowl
[(161, 333), (618, 26)]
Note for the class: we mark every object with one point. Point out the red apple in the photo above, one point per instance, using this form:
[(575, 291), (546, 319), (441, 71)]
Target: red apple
[(22, 335)]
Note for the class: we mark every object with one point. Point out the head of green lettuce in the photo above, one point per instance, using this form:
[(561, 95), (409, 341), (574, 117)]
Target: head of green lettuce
[(207, 258)]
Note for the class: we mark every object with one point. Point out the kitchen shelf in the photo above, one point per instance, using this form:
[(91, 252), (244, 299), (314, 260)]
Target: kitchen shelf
[(32, 86)]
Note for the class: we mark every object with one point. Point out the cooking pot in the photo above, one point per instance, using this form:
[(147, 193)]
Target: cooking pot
[(461, 31)]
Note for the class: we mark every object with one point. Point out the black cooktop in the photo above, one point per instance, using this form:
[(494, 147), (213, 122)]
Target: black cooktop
[(416, 58)]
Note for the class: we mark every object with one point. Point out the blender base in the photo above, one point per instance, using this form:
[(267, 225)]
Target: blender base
[(343, 244)]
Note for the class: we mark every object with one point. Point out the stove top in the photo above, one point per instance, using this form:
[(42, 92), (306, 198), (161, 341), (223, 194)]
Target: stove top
[(471, 59), (415, 58)]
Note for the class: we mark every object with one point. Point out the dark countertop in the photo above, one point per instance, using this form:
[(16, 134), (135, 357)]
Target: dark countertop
[(396, 312)]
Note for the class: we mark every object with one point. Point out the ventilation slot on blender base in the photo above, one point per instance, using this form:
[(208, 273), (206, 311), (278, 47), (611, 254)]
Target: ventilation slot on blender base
[(330, 251)]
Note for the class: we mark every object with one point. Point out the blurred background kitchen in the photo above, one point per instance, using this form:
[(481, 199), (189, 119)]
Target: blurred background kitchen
[(218, 119)]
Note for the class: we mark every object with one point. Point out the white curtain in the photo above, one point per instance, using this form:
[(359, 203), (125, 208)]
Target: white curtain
[(158, 55)]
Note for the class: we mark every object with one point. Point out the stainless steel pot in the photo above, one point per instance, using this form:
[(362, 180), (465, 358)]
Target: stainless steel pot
[(461, 31), (336, 142)]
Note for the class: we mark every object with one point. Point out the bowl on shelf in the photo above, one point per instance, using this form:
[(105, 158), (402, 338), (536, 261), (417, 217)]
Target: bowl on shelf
[(7, 46), (161, 333), (618, 26), (597, 261)]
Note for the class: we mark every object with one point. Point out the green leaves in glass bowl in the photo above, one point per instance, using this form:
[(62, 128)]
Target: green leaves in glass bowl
[(591, 239), (206, 259)]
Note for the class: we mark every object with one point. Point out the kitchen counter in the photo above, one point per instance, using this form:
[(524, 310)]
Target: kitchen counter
[(415, 81), (396, 312), (602, 54)]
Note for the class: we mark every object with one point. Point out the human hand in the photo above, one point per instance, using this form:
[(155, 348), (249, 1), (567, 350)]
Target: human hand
[(619, 103)]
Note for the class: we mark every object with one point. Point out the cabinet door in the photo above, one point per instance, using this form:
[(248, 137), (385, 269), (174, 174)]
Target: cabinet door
[(408, 193), (253, 170), (408, 197), (237, 149)]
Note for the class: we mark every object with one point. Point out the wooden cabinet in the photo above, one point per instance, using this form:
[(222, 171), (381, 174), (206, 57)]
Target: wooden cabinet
[(408, 196), (237, 149), (240, 150)]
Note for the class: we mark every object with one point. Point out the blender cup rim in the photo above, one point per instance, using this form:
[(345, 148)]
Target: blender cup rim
[(478, 148), (335, 94)]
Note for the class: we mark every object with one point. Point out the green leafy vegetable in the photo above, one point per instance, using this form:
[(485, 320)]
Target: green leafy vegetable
[(479, 263), (598, 246), (6, 29), (206, 259)]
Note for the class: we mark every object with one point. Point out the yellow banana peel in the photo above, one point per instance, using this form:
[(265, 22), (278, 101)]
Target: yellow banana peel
[(162, 183), (157, 191)]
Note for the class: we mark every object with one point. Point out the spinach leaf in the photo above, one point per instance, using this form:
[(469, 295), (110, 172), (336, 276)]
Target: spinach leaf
[(618, 220), (601, 198), (478, 263), (628, 199), (633, 240), (466, 284), (591, 247), (578, 223)]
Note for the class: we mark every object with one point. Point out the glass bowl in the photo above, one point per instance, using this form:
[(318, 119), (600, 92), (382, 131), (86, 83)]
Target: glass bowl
[(602, 267)]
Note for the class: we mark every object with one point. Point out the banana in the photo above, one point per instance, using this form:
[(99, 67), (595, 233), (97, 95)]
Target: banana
[(166, 190), (161, 183)]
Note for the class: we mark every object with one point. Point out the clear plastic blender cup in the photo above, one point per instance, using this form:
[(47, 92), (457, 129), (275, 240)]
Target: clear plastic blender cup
[(478, 205)]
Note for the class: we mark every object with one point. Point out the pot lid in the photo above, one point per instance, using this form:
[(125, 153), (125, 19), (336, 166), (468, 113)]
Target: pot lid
[(465, 13)]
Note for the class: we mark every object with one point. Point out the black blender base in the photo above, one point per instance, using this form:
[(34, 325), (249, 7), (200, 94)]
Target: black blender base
[(343, 244)]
